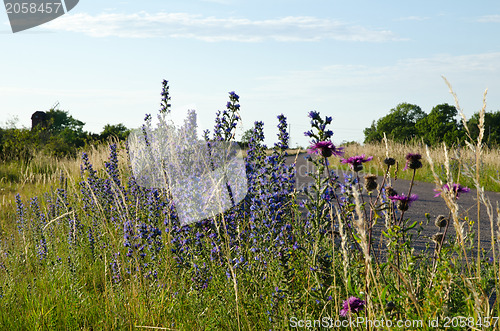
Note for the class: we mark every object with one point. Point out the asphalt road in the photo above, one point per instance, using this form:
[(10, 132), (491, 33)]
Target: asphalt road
[(426, 203)]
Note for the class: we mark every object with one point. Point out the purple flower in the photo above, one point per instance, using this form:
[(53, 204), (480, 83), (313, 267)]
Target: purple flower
[(413, 161), (356, 162), (314, 115), (404, 201), (352, 305), (234, 97), (457, 188), (326, 149)]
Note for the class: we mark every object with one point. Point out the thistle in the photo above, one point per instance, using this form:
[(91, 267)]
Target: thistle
[(352, 305), (356, 162), (413, 161), (370, 182), (441, 221), (404, 202)]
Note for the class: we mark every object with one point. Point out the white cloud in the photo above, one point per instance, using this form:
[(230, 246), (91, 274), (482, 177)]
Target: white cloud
[(370, 91), (213, 29), (352, 76), (413, 18), (222, 2), (489, 19)]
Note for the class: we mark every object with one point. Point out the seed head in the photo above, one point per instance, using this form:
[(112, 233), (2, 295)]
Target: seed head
[(389, 161), (389, 191), (413, 161), (438, 237), (441, 221), (370, 182)]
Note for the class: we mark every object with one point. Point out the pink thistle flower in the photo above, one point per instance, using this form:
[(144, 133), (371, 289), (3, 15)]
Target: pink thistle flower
[(404, 202), (456, 188), (352, 305), (326, 149), (356, 162), (413, 161)]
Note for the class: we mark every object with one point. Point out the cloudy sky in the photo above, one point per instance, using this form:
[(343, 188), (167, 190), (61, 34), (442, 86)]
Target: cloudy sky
[(104, 61)]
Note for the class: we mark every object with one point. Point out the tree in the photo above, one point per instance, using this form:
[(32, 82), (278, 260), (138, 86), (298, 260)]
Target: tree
[(372, 134), (119, 131), (491, 127), (60, 120), (440, 125), (245, 138), (398, 125)]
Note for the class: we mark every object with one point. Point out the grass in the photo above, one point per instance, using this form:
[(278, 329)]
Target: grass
[(460, 159), (84, 247)]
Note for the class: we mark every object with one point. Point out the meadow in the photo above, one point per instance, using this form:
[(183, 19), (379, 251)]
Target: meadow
[(83, 246)]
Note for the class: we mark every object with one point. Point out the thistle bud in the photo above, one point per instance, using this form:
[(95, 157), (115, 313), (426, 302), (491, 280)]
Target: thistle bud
[(413, 161), (389, 161), (441, 221), (389, 191), (438, 237), (370, 182)]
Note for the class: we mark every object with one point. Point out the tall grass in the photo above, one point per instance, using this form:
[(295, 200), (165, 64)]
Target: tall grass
[(461, 159), (85, 247)]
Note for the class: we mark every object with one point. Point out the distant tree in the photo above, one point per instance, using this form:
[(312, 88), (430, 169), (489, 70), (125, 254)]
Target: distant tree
[(398, 125), (372, 134), (119, 131), (245, 138), (58, 120), (491, 127), (440, 125)]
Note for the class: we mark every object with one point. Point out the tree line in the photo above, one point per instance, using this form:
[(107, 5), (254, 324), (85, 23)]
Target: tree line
[(59, 135), (407, 122)]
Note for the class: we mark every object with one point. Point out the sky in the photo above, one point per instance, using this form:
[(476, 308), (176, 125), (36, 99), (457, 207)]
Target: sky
[(104, 61)]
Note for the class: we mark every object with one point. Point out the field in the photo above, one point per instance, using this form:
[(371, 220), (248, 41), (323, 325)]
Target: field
[(83, 246)]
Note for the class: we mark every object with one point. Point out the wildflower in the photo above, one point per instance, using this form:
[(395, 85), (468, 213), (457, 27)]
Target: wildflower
[(404, 201), (326, 149), (441, 221), (233, 96), (165, 98), (456, 188), (370, 182), (314, 115), (352, 305), (356, 162), (413, 161), (389, 161), (283, 136)]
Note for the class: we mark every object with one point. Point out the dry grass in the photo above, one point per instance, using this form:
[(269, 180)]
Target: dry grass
[(33, 178), (461, 159)]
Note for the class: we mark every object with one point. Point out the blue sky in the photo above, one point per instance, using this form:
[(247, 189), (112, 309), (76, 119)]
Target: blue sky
[(104, 61)]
